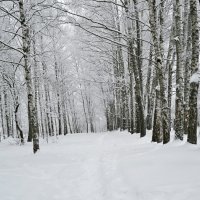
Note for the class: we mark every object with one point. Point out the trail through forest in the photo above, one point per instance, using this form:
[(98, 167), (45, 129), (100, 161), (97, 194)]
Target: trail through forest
[(114, 166)]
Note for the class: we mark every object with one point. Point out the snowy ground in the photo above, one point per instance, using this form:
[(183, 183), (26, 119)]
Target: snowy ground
[(104, 166)]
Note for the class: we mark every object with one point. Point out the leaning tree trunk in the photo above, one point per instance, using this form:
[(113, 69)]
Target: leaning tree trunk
[(194, 81), (33, 135), (21, 135)]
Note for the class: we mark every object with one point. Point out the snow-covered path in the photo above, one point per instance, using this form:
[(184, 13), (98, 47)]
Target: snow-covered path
[(104, 166)]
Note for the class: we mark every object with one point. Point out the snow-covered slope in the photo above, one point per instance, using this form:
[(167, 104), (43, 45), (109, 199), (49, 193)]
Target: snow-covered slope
[(104, 166)]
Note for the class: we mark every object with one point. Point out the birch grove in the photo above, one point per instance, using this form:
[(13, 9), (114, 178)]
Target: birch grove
[(88, 66)]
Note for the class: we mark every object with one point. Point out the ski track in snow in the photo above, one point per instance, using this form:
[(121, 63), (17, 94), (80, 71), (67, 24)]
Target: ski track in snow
[(104, 166)]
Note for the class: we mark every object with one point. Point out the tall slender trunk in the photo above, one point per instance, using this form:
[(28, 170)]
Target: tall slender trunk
[(121, 77), (169, 65), (139, 45), (42, 115), (187, 74), (194, 80), (47, 113), (132, 129), (169, 92), (36, 83), (160, 70), (149, 73), (157, 135), (59, 114), (26, 43), (179, 114), (7, 114), (133, 64), (59, 109), (65, 118), (2, 116)]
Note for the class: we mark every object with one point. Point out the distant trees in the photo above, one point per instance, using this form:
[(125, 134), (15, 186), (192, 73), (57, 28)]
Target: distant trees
[(43, 85)]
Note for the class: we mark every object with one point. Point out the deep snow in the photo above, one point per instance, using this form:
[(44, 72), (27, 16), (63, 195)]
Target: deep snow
[(103, 166)]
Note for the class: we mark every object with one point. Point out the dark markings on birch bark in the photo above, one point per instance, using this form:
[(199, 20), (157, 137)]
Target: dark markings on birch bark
[(33, 135), (194, 83), (179, 114), (160, 70)]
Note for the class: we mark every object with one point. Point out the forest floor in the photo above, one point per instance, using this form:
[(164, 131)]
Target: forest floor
[(103, 166)]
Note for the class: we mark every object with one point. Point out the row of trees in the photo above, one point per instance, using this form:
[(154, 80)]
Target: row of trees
[(40, 85), (83, 66), (154, 49)]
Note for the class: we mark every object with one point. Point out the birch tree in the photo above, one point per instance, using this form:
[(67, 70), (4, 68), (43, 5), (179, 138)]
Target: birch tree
[(179, 131), (159, 69), (33, 134), (194, 80)]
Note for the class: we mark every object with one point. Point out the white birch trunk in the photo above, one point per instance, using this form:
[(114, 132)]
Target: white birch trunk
[(194, 80), (179, 110), (33, 135)]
